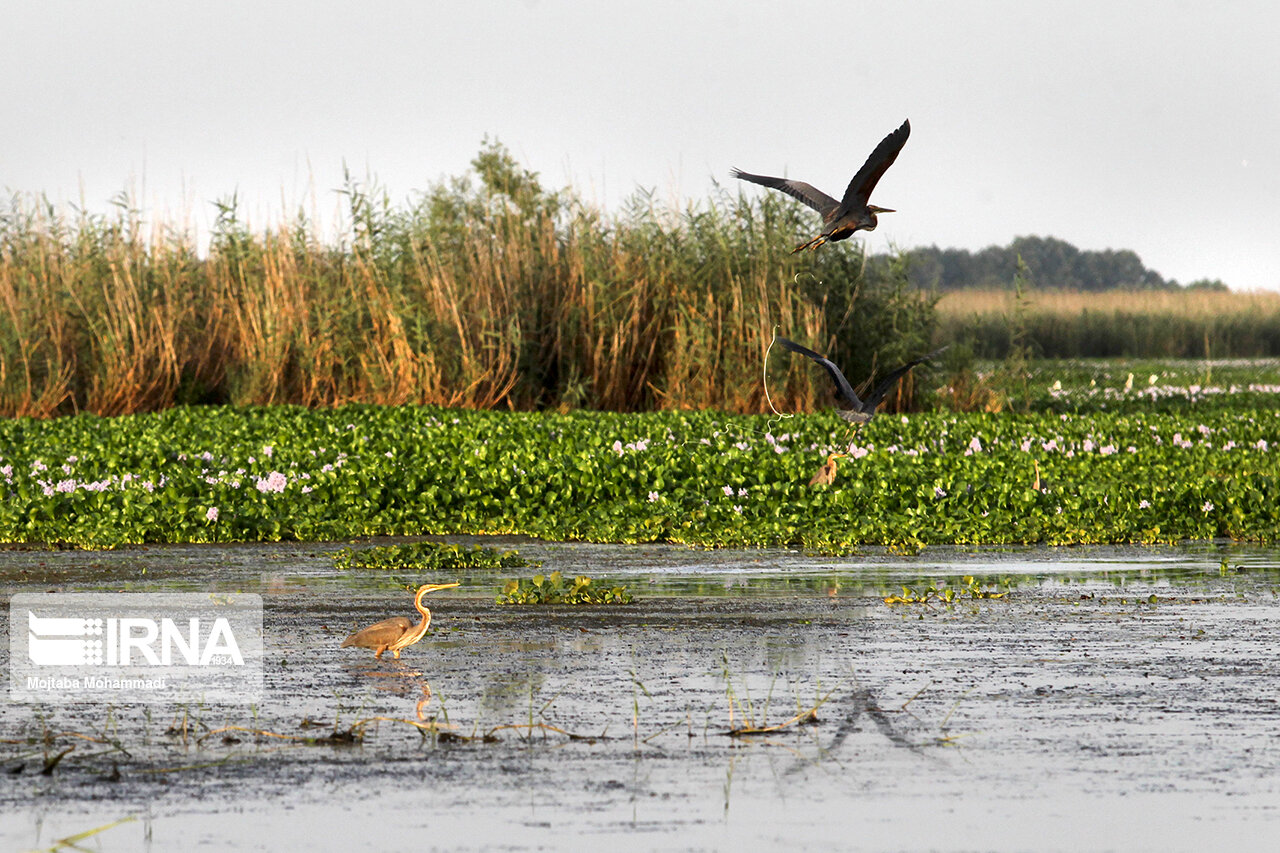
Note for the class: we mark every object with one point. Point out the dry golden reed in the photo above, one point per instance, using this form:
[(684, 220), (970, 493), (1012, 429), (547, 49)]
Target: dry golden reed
[(496, 294)]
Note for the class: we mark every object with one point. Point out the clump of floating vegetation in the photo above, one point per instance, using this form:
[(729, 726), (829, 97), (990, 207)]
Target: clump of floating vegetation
[(554, 589), (969, 588), (429, 555)]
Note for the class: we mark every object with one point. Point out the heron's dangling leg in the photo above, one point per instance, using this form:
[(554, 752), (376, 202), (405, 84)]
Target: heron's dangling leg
[(812, 244), (857, 429)]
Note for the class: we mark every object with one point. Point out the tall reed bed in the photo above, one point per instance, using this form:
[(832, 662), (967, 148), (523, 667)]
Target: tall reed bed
[(1183, 324), (488, 291)]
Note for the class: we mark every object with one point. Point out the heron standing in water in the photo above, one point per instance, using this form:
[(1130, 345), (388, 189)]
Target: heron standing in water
[(852, 213), (397, 632), (863, 409)]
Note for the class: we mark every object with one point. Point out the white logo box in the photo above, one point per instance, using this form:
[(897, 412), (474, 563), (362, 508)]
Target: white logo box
[(135, 647)]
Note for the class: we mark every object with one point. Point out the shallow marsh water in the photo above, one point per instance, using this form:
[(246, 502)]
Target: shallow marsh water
[(1074, 713)]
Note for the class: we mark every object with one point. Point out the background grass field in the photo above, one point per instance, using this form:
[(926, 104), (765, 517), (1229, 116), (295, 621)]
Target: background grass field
[(1145, 323)]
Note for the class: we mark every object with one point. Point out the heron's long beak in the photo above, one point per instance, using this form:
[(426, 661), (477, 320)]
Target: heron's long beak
[(432, 587), (874, 209)]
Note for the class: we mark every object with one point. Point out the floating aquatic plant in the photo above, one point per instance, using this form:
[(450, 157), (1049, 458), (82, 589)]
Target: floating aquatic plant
[(429, 555), (221, 474), (969, 588), (554, 589)]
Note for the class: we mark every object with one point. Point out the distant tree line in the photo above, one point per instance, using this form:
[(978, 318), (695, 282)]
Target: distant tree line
[(1053, 265)]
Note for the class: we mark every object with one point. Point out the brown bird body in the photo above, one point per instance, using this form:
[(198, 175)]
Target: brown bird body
[(826, 475), (398, 632), (851, 213)]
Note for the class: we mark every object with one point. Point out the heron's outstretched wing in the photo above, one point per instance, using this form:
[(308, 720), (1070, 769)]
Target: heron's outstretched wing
[(869, 175), (846, 390), (807, 193), (874, 398)]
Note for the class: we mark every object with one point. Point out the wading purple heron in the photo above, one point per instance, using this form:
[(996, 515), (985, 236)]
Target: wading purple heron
[(397, 632), (851, 213)]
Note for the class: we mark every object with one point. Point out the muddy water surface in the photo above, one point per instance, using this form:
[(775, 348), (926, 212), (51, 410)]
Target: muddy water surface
[(1075, 712)]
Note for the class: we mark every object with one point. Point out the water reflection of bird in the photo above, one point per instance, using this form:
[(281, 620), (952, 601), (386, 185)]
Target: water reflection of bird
[(851, 213), (826, 475), (397, 632), (863, 409)]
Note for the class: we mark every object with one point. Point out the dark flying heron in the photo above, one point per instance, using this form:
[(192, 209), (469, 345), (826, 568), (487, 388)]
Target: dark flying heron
[(397, 632), (863, 409), (851, 213)]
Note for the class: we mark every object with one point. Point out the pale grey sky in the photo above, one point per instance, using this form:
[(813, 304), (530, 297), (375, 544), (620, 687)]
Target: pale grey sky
[(1152, 126)]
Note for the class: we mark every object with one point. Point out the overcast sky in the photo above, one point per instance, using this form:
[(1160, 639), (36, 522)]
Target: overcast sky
[(1152, 126)]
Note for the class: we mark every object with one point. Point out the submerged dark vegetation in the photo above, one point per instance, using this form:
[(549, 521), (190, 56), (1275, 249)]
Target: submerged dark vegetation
[(215, 474), (446, 557)]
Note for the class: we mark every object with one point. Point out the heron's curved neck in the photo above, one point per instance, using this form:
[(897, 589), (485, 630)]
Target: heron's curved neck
[(420, 629), (417, 603)]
